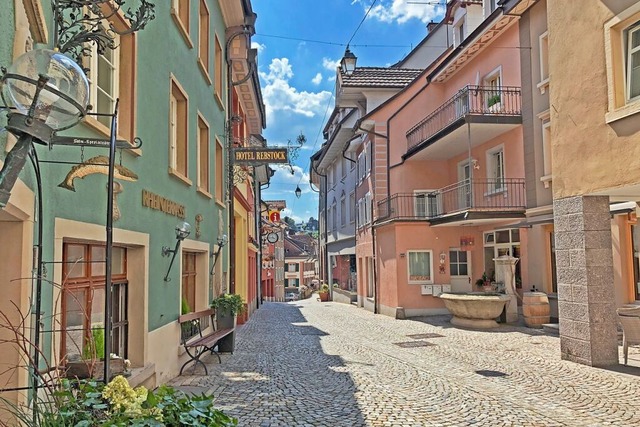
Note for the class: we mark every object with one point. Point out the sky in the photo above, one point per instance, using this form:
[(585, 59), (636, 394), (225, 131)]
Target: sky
[(300, 44)]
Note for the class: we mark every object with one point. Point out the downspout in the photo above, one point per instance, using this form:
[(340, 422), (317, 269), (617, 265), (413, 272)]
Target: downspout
[(258, 233), (325, 271)]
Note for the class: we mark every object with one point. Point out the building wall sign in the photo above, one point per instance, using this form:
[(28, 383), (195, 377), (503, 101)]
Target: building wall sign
[(159, 203), (255, 156)]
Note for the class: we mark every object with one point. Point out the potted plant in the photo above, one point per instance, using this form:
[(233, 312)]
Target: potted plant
[(494, 102), (323, 293), (484, 282), (227, 307), (91, 363)]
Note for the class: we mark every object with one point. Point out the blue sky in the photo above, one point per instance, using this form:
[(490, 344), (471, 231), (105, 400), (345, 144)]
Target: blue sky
[(300, 43)]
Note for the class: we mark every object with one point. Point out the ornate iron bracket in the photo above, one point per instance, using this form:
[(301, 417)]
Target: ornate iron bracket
[(78, 23)]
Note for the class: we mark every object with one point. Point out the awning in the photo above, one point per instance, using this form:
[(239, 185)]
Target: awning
[(614, 209)]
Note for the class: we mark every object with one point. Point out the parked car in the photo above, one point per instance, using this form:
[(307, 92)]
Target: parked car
[(291, 296)]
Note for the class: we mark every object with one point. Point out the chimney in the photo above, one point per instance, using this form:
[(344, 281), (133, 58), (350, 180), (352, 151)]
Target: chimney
[(431, 25)]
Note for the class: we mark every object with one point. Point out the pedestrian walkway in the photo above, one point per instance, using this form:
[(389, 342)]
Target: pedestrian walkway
[(307, 363)]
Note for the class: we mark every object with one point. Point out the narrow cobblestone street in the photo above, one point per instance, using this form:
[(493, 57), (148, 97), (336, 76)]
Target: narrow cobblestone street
[(327, 364)]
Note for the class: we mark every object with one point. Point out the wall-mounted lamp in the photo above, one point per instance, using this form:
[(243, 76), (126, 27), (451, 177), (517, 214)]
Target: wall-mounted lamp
[(222, 241), (475, 163), (183, 230), (298, 191)]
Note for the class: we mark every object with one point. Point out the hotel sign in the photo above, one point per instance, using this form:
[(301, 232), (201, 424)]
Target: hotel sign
[(257, 156)]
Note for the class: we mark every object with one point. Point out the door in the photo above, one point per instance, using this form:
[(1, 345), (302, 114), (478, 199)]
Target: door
[(460, 269), (635, 238)]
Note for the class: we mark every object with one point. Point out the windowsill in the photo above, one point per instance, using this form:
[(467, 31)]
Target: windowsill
[(99, 127), (203, 192), (420, 283), (495, 192), (546, 180), (220, 203), (218, 99), (623, 112), (184, 32), (174, 173), (543, 85), (204, 71)]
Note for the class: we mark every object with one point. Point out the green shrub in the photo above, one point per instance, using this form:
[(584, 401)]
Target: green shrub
[(94, 348), (88, 403)]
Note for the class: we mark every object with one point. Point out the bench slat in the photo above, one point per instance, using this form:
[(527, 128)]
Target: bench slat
[(195, 315), (209, 339)]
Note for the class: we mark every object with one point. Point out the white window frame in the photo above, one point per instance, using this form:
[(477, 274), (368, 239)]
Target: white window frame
[(352, 207), (459, 31), (629, 51), (487, 81), (428, 211), (495, 169), (458, 263), (367, 208), (343, 210), (334, 215), (547, 167), (113, 69), (543, 46), (616, 55), (420, 281)]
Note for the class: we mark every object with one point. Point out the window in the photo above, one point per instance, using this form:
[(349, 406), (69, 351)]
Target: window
[(367, 208), (180, 12), (329, 219), (219, 171), (493, 94), (178, 148), (420, 267), (426, 203), (203, 155), (83, 293), (189, 275), (218, 72), (293, 267), (458, 263), (498, 243), (344, 168), (334, 215), (632, 65), (112, 76), (104, 80), (352, 207), (343, 210), (203, 40), (496, 170), (544, 61), (546, 149), (458, 31), (622, 50)]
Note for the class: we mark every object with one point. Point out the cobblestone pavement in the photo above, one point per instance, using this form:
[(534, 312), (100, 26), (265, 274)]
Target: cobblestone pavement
[(327, 364)]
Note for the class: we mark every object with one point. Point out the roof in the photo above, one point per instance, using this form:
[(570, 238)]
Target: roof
[(380, 77)]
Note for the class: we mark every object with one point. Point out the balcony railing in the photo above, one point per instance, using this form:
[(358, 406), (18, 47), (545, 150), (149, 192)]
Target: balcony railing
[(470, 100), (497, 195)]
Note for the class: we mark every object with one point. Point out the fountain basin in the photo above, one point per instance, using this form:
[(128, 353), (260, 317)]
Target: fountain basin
[(476, 310)]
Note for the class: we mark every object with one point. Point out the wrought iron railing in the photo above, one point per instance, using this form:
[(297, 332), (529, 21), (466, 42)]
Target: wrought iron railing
[(470, 100), (497, 195)]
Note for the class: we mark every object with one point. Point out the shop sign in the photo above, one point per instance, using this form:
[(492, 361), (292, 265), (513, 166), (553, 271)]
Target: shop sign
[(159, 203)]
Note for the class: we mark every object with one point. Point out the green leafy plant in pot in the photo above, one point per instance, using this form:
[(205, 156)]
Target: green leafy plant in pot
[(323, 293), (227, 307)]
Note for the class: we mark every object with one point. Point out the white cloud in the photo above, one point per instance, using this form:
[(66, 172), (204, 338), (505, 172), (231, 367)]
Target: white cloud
[(288, 212), (400, 11), (317, 79), (330, 64), (279, 96), (260, 47)]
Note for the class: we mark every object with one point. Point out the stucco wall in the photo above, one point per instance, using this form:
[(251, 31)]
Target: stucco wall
[(589, 155)]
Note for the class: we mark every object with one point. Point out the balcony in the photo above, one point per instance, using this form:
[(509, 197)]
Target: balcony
[(465, 201), (484, 105)]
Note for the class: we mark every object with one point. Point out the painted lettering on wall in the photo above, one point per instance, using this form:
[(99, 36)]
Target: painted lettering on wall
[(159, 203)]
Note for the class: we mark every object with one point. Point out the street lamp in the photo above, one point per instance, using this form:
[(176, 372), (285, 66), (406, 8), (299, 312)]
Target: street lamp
[(348, 62), (298, 191), (183, 230), (48, 92)]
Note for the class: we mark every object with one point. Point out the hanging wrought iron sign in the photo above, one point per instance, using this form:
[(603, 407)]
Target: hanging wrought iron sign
[(255, 156)]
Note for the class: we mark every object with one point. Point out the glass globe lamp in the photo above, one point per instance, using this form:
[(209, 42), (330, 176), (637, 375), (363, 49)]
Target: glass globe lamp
[(48, 87)]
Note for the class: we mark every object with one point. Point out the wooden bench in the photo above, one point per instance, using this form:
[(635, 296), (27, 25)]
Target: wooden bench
[(195, 342)]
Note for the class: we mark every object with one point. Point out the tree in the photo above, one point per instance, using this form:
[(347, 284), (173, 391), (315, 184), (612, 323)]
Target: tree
[(290, 222)]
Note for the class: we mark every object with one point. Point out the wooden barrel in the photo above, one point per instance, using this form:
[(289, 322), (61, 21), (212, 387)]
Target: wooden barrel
[(535, 308)]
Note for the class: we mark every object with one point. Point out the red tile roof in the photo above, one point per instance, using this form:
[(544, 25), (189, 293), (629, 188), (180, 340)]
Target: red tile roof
[(380, 77)]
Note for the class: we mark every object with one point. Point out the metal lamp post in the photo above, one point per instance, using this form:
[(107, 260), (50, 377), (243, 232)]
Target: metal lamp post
[(47, 92)]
